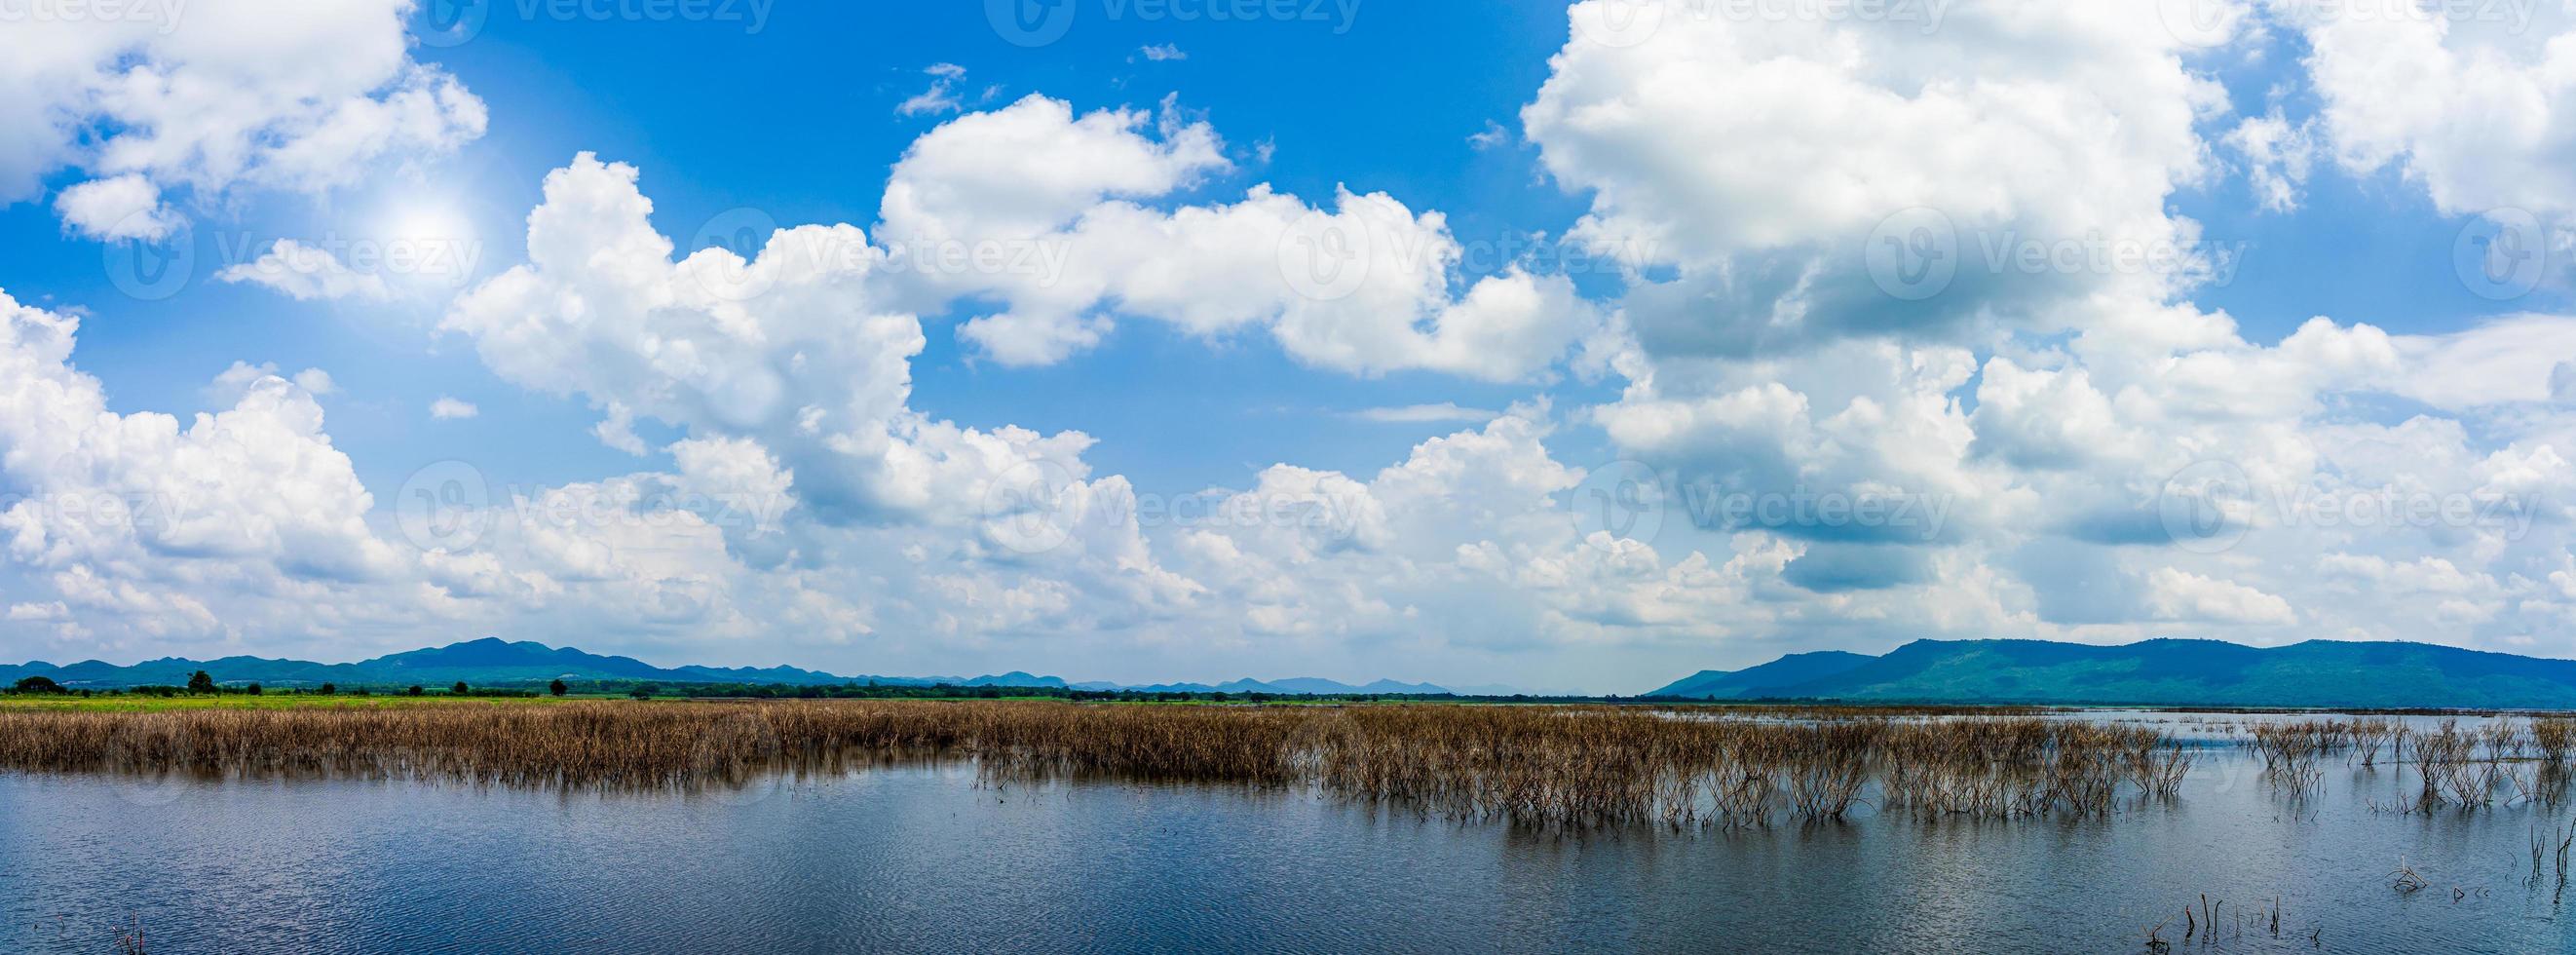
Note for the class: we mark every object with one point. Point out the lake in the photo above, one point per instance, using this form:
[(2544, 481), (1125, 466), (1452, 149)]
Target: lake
[(926, 858)]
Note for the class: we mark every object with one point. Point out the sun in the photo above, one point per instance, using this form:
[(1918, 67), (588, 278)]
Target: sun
[(422, 240)]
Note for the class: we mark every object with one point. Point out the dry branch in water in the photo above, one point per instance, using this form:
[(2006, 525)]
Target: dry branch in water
[(1547, 766)]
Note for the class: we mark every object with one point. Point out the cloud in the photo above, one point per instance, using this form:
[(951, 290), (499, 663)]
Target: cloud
[(1163, 53), (1783, 442), (941, 97), (240, 379), (44, 612), (2277, 158), (795, 348), (2178, 595), (2002, 134), (2474, 109), (450, 409), (203, 102), (123, 207), (1042, 210), (2107, 459), (128, 514), (1445, 412), (2513, 359)]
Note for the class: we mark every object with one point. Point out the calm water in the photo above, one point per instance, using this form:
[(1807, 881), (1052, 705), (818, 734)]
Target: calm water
[(922, 859)]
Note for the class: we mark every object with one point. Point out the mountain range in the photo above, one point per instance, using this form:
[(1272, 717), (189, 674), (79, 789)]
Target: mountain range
[(493, 662), (2317, 673)]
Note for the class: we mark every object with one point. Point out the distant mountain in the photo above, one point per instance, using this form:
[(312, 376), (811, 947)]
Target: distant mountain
[(1788, 671), (486, 662), (1014, 678), (1507, 689), (494, 662), (1321, 686), (2318, 673)]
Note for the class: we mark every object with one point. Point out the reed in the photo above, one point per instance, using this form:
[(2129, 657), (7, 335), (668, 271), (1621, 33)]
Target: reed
[(2553, 737), (1549, 766)]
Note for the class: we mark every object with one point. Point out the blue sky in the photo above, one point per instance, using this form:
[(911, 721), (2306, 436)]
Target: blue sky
[(797, 119), (797, 112)]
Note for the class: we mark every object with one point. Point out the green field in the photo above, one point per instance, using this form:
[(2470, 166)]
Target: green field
[(141, 703)]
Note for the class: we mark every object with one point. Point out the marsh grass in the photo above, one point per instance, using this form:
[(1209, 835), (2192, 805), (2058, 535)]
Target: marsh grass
[(1547, 766)]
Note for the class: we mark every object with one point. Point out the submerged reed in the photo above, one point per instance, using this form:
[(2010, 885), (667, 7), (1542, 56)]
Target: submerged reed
[(1567, 766)]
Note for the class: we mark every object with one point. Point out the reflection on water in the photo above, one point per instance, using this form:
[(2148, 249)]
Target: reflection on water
[(924, 858)]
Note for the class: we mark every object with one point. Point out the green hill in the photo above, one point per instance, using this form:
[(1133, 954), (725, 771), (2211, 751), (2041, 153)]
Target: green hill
[(2318, 673)]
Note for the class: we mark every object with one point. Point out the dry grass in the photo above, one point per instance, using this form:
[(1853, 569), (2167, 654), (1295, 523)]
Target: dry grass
[(1546, 766)]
